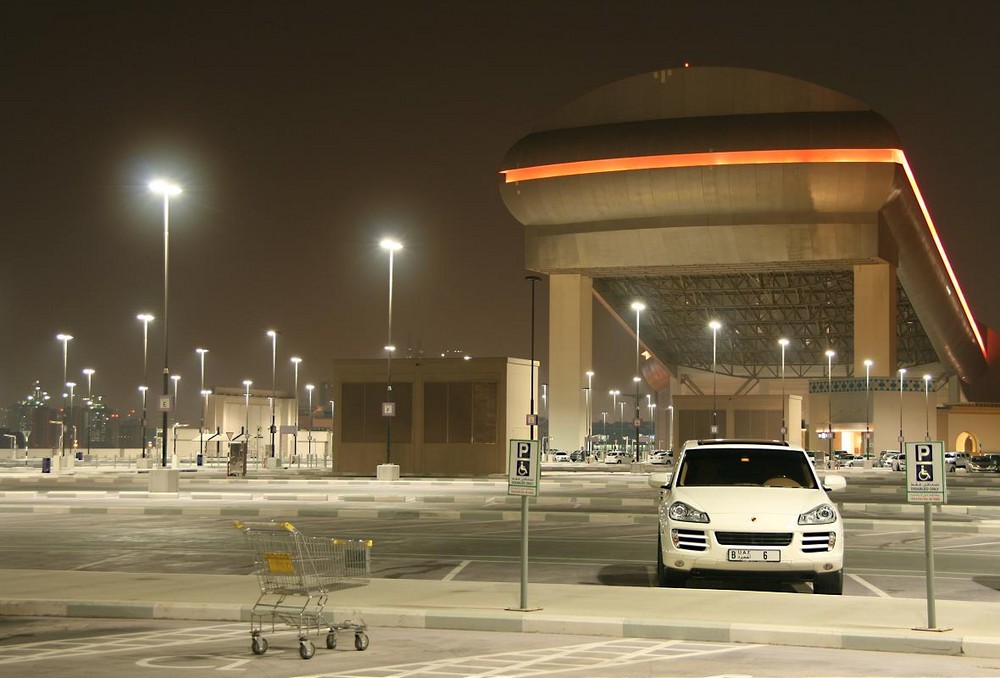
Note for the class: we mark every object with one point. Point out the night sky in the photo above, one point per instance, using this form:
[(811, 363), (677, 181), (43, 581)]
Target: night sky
[(303, 132)]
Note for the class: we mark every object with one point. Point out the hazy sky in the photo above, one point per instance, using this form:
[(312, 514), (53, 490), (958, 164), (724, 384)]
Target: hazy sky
[(303, 132)]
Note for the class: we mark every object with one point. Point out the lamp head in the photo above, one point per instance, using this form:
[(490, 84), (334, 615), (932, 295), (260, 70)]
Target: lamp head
[(714, 325), (296, 360), (830, 353), (869, 363), (88, 371), (164, 187), (390, 244), (638, 306), (202, 351), (783, 342), (145, 317), (64, 337)]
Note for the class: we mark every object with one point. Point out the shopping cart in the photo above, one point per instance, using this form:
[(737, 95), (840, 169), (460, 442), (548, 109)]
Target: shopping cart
[(296, 573)]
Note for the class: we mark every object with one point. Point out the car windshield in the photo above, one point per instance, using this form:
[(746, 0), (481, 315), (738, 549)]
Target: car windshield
[(758, 467)]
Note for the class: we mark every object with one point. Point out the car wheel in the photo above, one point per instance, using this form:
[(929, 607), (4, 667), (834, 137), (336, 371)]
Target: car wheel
[(665, 576), (829, 584)]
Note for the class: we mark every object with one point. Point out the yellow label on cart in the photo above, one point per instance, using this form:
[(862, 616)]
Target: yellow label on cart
[(279, 563)]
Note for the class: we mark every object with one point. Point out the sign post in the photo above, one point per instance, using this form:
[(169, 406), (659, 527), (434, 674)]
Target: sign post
[(925, 484), (524, 471)]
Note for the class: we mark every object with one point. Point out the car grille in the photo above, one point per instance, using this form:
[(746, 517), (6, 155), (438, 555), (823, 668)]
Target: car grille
[(692, 540), (754, 538), (815, 542)]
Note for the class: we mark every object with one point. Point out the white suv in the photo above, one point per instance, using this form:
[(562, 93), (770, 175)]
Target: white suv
[(749, 509)]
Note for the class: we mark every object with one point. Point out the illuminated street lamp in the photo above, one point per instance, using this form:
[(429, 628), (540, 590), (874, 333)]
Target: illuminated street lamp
[(784, 429), (201, 425), (246, 384), (829, 404), (590, 418), (902, 371), (638, 307), (142, 443), (670, 410), (72, 425), (309, 390), (715, 326), (65, 339), (167, 190), (145, 318), (175, 378), (927, 408), (614, 393), (90, 400), (868, 408), (274, 358), (389, 407), (295, 443)]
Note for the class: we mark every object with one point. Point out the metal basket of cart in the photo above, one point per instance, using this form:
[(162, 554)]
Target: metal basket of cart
[(296, 574)]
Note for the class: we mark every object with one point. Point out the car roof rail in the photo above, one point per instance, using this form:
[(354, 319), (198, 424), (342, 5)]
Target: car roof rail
[(742, 441)]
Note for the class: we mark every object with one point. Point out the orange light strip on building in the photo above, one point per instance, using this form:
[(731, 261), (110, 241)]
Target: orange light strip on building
[(761, 157)]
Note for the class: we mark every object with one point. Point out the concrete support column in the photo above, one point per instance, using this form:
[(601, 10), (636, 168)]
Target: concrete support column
[(571, 318), (875, 318)]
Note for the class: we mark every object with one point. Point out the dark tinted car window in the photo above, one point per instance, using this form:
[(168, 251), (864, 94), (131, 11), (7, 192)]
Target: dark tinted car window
[(728, 467)]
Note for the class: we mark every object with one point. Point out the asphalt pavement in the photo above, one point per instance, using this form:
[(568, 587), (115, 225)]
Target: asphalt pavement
[(886, 624)]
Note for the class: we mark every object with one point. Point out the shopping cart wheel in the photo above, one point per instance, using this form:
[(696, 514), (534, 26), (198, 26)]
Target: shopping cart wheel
[(306, 649), (259, 645), (360, 641), (331, 641)]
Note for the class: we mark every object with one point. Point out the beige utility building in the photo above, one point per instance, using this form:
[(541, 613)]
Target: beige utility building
[(779, 209), (451, 416)]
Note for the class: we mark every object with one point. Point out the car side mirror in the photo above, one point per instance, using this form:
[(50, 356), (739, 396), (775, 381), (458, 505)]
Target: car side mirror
[(659, 480), (834, 483)]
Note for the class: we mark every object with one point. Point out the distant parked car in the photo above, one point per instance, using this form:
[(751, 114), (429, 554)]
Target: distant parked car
[(560, 455), (616, 457), (956, 460), (983, 463), (659, 457), (898, 462)]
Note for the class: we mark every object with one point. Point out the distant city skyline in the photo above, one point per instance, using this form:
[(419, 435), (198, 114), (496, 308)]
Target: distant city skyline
[(303, 134)]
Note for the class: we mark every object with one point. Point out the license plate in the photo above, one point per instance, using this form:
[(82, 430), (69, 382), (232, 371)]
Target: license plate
[(754, 555)]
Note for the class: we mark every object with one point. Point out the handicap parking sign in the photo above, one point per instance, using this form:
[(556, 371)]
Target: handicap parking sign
[(925, 477), (524, 468)]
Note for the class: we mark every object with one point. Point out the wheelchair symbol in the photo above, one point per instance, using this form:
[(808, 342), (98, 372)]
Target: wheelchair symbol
[(925, 473)]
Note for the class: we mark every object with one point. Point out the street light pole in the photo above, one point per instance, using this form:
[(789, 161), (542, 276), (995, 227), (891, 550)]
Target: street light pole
[(902, 371), (274, 357), (167, 190), (145, 318), (868, 409), (295, 442), (90, 399), (715, 325), (246, 430), (927, 408), (389, 407), (65, 339), (670, 409), (175, 378), (829, 405), (784, 428), (72, 425), (614, 393), (590, 415), (201, 425), (309, 388), (638, 307)]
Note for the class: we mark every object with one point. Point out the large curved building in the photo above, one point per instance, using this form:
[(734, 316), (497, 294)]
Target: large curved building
[(776, 206)]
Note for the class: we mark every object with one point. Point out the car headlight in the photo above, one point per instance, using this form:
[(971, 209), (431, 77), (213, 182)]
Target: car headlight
[(821, 515), (681, 511)]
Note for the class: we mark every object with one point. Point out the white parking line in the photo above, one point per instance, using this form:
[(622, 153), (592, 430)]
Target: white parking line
[(964, 546), (458, 568), (871, 587), (613, 653), (121, 642)]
